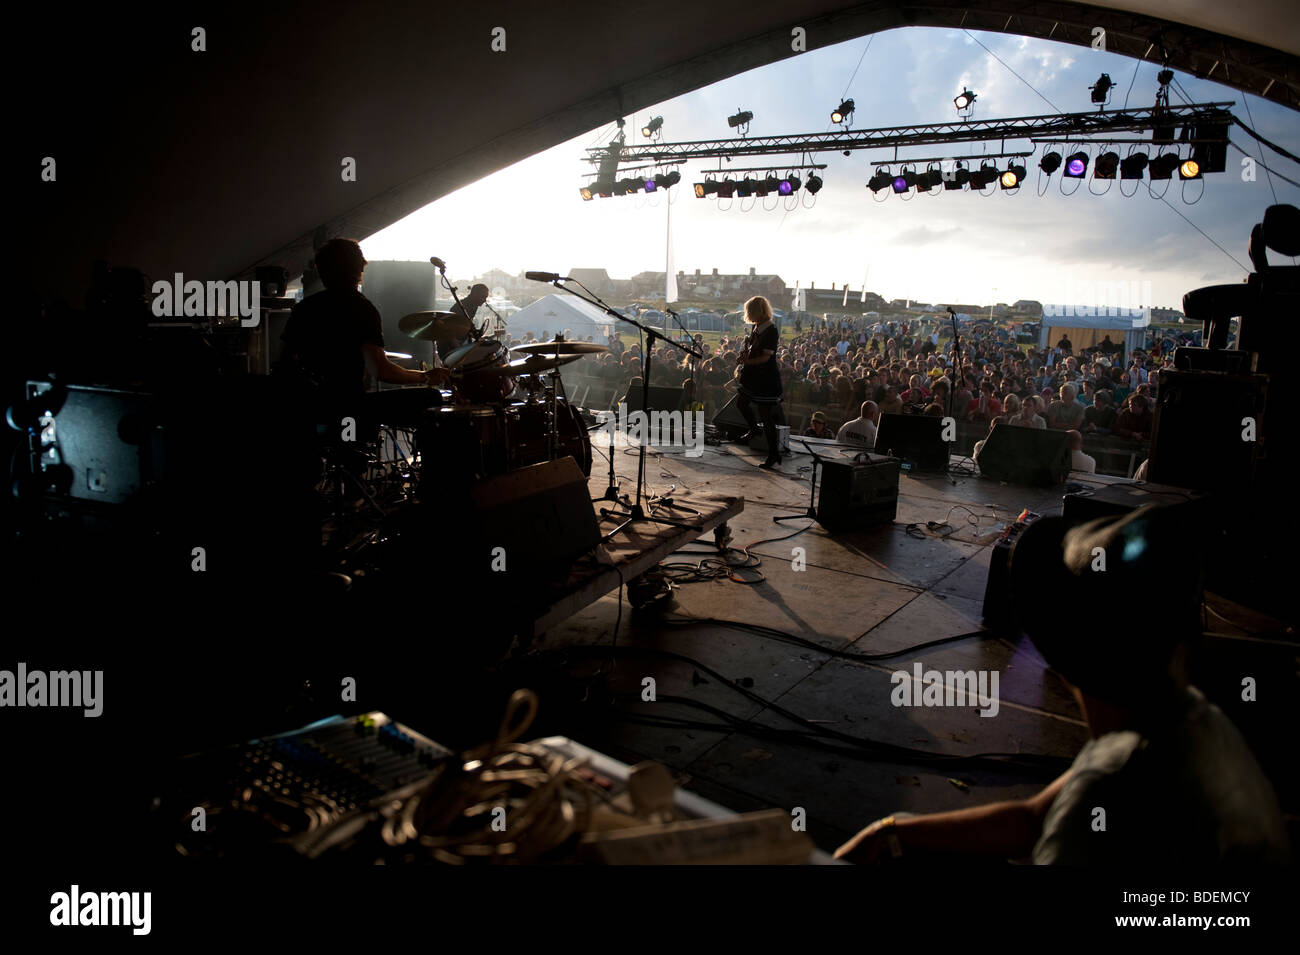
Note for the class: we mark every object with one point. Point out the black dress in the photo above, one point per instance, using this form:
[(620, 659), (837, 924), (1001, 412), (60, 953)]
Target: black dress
[(762, 383)]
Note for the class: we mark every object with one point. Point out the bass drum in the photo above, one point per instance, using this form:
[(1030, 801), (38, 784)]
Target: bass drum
[(526, 434), (473, 371)]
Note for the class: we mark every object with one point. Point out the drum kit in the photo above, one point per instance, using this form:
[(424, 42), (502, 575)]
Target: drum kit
[(503, 408)]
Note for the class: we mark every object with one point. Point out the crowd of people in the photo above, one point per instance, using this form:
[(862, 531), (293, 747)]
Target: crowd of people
[(855, 370)]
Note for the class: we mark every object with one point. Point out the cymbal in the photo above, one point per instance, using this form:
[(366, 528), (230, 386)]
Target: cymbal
[(434, 326), (532, 365), (561, 348)]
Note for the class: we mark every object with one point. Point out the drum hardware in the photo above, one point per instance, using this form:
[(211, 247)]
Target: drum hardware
[(561, 347)]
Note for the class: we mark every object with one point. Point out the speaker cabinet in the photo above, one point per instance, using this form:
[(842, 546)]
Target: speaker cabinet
[(1199, 436), (916, 439), (1025, 456)]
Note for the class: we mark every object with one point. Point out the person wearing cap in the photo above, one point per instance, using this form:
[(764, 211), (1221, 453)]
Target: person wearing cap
[(467, 306), (817, 427), (1175, 779)]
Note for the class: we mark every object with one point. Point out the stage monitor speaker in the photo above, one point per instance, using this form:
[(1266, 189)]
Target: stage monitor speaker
[(915, 439), (858, 493), (1025, 456), (1199, 438), (540, 516), (661, 398)]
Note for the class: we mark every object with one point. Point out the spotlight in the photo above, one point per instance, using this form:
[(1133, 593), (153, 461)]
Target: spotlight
[(587, 192), (881, 180), (665, 180), (1163, 166), (628, 187), (964, 100), (699, 190), (959, 177), (1013, 177), (1050, 162), (1107, 163), (651, 185), (1190, 169), (788, 186), (985, 174), (814, 184), (741, 118), (841, 113), (905, 180), (726, 188), (1130, 167), (1101, 89), (769, 185), (746, 187), (652, 127), (1076, 165)]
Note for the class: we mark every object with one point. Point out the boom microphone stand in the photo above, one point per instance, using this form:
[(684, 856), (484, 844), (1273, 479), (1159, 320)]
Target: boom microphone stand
[(956, 343), (636, 512)]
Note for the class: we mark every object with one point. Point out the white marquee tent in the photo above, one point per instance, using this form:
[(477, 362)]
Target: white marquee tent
[(556, 313)]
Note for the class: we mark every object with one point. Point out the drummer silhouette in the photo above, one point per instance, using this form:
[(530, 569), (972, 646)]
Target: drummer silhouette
[(467, 307)]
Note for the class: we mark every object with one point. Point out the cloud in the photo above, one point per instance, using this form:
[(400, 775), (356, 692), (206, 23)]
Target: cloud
[(924, 235)]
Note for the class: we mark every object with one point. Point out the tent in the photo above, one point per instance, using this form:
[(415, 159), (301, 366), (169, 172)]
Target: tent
[(1086, 326), (557, 313)]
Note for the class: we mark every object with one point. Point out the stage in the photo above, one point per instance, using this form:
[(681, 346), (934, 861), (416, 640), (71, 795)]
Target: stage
[(870, 592)]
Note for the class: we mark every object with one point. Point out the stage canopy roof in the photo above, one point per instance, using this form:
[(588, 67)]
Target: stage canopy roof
[(210, 163)]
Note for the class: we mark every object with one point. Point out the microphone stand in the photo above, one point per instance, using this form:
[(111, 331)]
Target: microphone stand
[(636, 512), (956, 343)]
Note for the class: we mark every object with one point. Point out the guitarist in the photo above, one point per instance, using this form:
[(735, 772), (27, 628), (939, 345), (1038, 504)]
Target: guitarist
[(760, 377)]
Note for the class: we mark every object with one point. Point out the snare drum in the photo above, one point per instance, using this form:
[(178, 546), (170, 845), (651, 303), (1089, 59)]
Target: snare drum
[(471, 368)]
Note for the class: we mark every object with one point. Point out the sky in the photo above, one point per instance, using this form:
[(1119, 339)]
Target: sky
[(950, 247)]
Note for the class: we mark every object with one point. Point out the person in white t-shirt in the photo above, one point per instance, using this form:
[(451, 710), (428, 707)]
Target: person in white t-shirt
[(862, 429), (1078, 460)]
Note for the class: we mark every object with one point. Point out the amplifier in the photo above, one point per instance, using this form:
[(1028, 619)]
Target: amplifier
[(997, 590), (1115, 500), (858, 493), (759, 441)]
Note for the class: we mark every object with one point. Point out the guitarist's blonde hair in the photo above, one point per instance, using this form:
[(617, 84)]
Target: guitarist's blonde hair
[(758, 310)]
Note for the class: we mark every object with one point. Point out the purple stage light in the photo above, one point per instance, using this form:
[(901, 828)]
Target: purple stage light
[(900, 184), (650, 185), (1075, 168), (785, 188)]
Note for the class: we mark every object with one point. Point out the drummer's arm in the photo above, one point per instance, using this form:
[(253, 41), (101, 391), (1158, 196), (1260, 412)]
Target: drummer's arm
[(378, 365)]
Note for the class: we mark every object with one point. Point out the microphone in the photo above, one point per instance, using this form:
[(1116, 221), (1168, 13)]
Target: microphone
[(439, 263), (545, 276)]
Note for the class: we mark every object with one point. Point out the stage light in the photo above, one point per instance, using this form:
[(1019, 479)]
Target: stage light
[(905, 180), (587, 193), (881, 180), (1190, 169), (964, 100), (814, 184), (1107, 164), (1050, 162), (665, 180), (1101, 89), (1131, 166), (651, 185), (959, 177), (1013, 177), (985, 174), (842, 112), (746, 187), (726, 188), (652, 127), (1076, 165), (788, 186), (628, 187), (699, 190), (1163, 166), (769, 185), (741, 118)]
